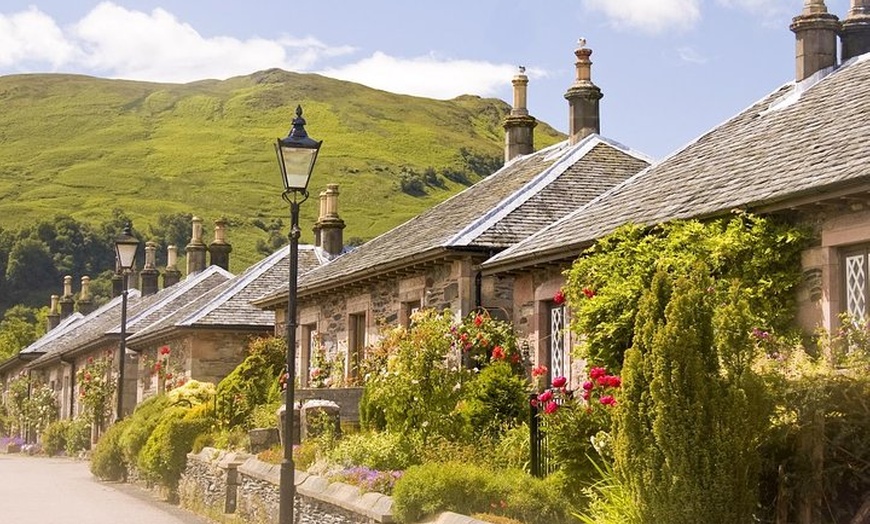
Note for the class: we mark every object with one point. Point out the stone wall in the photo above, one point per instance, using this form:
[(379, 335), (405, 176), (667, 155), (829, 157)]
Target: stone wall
[(346, 398)]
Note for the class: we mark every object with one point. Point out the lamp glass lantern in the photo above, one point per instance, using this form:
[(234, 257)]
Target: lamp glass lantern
[(297, 153), (126, 246)]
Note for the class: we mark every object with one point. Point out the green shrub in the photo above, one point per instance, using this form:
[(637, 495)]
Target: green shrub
[(410, 379), (431, 488), (164, 456), (605, 285), (251, 383), (265, 415), (496, 398), (78, 437), (376, 450), (690, 422), (107, 459), (54, 437), (146, 417)]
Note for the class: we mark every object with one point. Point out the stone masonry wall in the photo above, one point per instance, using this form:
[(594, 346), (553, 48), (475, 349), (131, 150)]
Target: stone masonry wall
[(204, 486)]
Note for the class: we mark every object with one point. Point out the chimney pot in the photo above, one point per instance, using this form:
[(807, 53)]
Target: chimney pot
[(196, 249), (815, 39), (330, 223), (583, 98), (219, 251), (53, 313), (66, 302), (855, 34), (519, 127), (171, 275)]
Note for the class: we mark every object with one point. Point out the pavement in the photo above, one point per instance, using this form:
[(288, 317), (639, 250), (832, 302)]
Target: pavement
[(40, 490)]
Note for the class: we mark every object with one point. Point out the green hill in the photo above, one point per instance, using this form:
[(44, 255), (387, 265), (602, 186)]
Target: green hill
[(85, 146)]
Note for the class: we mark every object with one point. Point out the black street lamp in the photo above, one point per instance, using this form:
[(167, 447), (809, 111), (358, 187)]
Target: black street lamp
[(126, 246), (296, 156)]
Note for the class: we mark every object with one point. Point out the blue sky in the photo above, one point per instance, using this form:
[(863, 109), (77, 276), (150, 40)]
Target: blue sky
[(669, 69)]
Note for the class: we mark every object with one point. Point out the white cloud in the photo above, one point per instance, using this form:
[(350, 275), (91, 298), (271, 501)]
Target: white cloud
[(117, 42), (156, 46), (32, 36), (691, 55), (428, 76), (649, 16)]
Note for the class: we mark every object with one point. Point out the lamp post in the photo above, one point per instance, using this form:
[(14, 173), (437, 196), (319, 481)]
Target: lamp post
[(126, 246), (296, 156)]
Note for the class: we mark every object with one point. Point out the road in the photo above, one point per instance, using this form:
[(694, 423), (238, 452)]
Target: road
[(38, 490)]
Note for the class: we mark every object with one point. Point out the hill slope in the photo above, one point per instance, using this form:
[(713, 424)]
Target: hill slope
[(84, 146)]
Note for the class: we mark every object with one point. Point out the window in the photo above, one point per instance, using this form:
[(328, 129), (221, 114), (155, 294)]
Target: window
[(408, 309), (856, 271), (308, 341), (557, 341), (356, 343)]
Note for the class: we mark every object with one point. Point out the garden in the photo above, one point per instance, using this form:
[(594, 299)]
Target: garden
[(700, 401)]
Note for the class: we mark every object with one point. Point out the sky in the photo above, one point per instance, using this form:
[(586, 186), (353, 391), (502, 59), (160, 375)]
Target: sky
[(669, 69)]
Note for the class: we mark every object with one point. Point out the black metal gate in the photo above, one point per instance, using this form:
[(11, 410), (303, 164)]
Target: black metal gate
[(541, 463)]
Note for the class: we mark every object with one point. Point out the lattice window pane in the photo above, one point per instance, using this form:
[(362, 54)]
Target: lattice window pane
[(856, 285), (557, 342)]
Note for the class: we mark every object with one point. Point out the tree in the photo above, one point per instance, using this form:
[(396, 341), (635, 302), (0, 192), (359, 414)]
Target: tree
[(692, 416), (20, 327)]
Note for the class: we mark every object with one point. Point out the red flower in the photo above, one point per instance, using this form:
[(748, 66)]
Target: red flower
[(611, 381), (559, 382), (595, 373), (539, 371), (546, 396), (588, 292), (608, 400), (586, 394), (515, 358), (164, 350), (478, 320), (559, 298), (497, 353), (551, 407), (588, 385), (90, 360), (157, 366)]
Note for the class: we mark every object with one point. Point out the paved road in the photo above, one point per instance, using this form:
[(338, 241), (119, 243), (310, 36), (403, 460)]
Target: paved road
[(37, 490)]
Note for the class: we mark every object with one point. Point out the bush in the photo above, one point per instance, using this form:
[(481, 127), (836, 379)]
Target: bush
[(376, 450), (164, 456), (78, 437), (146, 417), (464, 488), (251, 383), (107, 459), (266, 415), (496, 398), (54, 437)]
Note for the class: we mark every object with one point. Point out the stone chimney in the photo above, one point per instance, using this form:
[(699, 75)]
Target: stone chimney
[(331, 225), (219, 251), (519, 127), (171, 275), (196, 249), (66, 302), (316, 228), (815, 31), (117, 283), (855, 34), (149, 274), (54, 313), (86, 301), (583, 97)]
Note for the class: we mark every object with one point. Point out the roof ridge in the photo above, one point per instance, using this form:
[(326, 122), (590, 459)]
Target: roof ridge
[(241, 282), (537, 184)]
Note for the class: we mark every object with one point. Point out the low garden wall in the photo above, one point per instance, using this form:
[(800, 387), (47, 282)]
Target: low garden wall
[(217, 483), (346, 398)]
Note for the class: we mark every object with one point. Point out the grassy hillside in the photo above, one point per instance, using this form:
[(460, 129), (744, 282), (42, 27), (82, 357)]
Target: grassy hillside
[(85, 146)]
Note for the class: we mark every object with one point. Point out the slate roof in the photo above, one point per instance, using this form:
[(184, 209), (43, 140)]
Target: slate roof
[(63, 327), (106, 320), (525, 194), (802, 140), (228, 305)]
